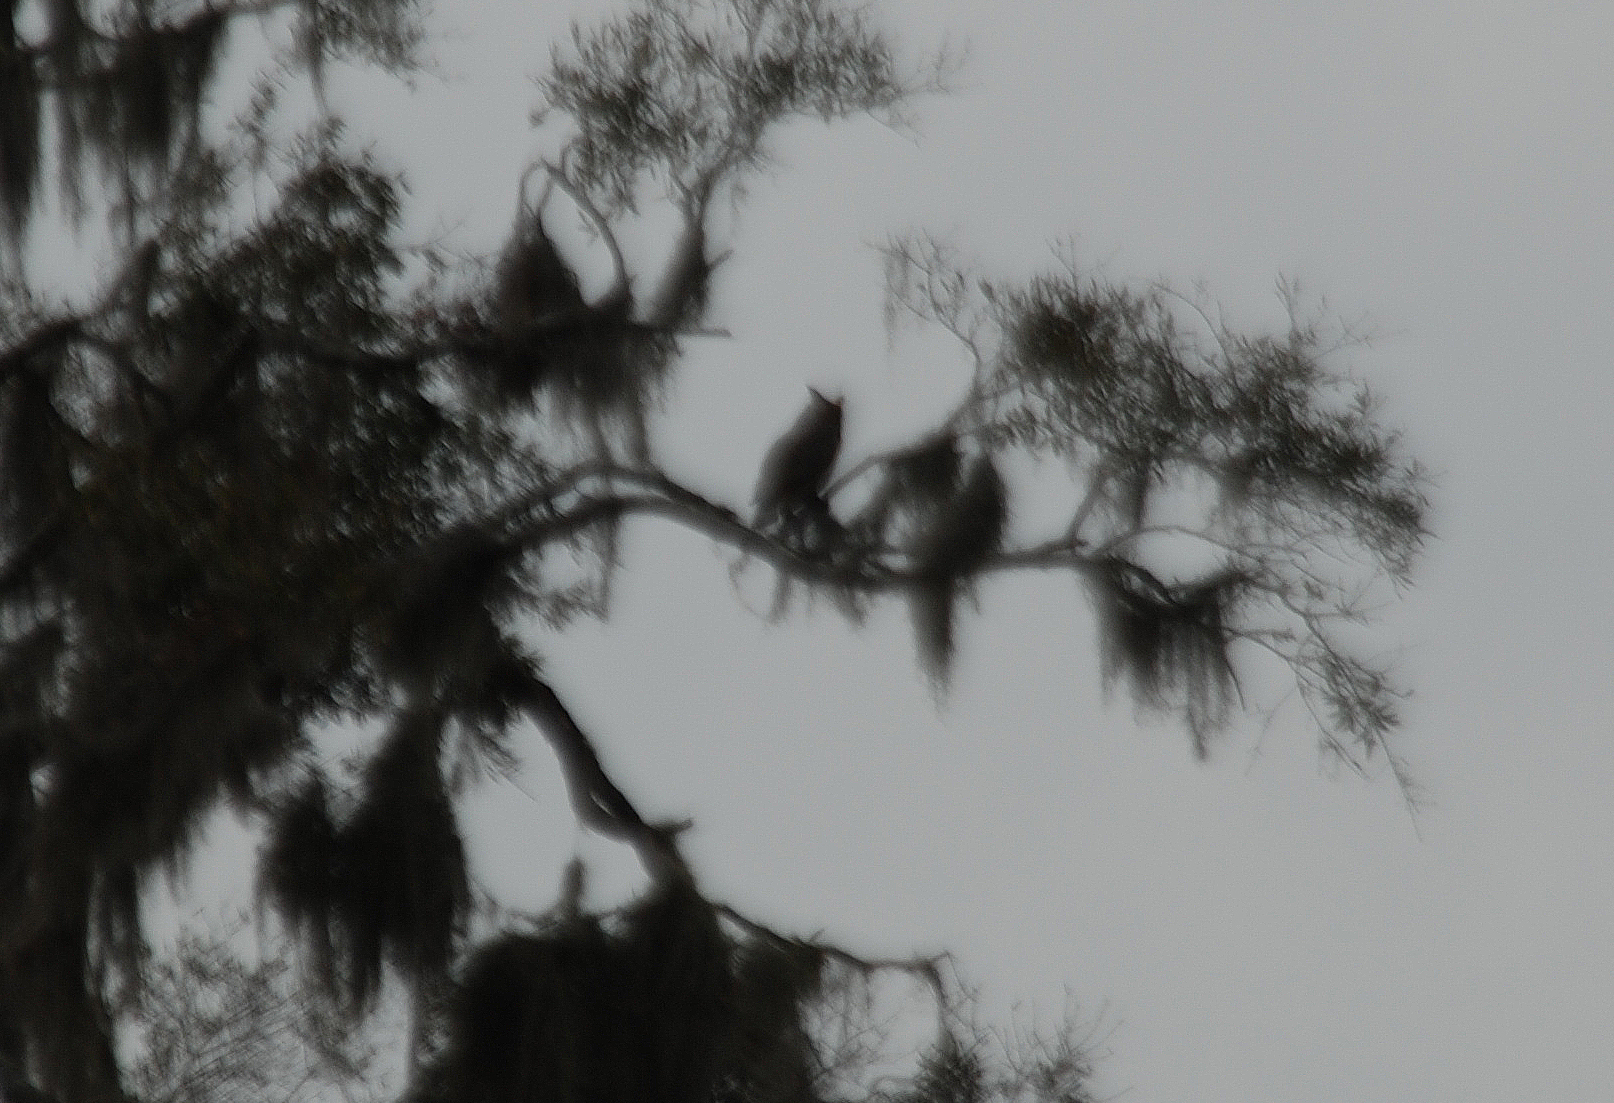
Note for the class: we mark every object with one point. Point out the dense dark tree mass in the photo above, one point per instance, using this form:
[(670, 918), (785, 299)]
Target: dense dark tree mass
[(269, 477)]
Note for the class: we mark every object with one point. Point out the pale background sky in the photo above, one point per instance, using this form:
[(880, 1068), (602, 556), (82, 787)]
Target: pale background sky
[(1250, 931)]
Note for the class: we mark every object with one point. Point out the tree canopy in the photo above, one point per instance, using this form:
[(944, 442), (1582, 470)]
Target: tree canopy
[(277, 473)]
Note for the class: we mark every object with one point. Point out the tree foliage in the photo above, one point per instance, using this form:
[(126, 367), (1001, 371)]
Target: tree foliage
[(215, 1028), (259, 483)]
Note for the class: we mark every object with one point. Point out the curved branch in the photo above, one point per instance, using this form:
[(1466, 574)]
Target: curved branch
[(597, 493), (546, 516), (597, 800), (667, 498), (664, 497), (926, 967)]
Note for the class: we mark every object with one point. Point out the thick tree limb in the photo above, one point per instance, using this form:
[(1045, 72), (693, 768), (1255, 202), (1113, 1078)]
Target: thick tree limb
[(597, 800)]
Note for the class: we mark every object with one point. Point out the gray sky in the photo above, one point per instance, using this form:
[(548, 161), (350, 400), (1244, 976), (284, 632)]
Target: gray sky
[(1254, 931)]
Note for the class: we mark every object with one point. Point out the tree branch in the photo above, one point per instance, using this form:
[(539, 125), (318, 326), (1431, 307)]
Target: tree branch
[(597, 800)]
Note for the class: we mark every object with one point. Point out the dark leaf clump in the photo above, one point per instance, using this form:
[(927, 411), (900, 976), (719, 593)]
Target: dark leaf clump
[(1171, 642), (579, 1013), (388, 885)]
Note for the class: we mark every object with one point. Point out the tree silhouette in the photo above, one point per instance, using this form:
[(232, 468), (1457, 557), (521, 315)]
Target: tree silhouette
[(264, 480)]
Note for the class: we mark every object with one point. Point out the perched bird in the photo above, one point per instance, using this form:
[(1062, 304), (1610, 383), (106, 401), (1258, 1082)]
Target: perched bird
[(790, 489), (963, 534)]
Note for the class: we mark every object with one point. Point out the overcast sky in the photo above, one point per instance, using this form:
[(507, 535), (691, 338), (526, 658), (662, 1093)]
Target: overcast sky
[(1252, 930)]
